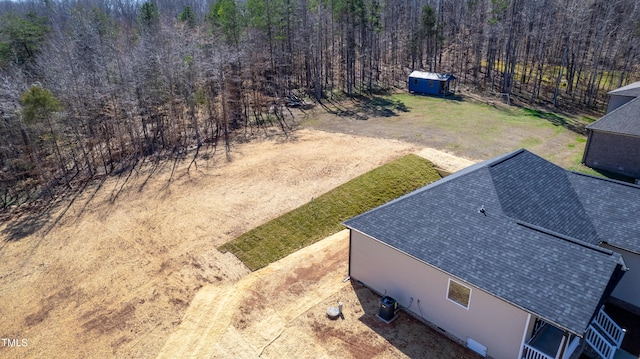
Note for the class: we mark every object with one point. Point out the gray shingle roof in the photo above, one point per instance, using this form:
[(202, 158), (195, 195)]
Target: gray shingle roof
[(613, 207), (623, 120), (530, 189), (503, 251), (630, 90)]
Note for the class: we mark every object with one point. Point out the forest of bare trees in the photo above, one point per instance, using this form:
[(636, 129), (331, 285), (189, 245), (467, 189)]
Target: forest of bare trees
[(91, 87)]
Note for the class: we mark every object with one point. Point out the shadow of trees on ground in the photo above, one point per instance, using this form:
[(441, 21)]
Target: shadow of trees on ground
[(362, 107), (381, 107), (39, 214), (570, 124), (337, 108), (29, 220)]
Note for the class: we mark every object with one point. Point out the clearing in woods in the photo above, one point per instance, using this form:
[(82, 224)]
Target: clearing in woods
[(113, 274), (130, 267), (464, 126)]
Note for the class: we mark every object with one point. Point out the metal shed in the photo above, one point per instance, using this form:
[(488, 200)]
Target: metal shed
[(430, 83)]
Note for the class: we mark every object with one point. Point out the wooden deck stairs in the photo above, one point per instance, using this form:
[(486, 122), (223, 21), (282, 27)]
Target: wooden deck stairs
[(605, 337)]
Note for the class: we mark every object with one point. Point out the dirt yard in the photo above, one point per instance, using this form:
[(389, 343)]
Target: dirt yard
[(113, 274), (280, 312)]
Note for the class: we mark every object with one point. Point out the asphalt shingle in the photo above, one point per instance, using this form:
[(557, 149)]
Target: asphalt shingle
[(623, 120), (536, 191), (613, 208), (530, 247), (630, 90)]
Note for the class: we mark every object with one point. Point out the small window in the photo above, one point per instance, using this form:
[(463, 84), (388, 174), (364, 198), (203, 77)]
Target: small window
[(459, 293), (430, 83), (415, 81)]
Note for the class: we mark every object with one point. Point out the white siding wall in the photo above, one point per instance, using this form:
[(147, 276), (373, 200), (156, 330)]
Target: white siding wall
[(490, 321), (629, 287)]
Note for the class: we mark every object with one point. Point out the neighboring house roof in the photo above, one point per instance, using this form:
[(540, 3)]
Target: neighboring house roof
[(534, 244), (432, 76), (613, 208), (631, 90), (623, 120)]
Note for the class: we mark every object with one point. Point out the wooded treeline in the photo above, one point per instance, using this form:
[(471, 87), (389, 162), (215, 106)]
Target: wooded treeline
[(90, 87)]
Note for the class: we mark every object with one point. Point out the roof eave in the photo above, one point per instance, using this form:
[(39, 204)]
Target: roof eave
[(538, 315)]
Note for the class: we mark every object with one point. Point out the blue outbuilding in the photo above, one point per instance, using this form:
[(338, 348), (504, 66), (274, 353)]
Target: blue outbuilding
[(430, 83)]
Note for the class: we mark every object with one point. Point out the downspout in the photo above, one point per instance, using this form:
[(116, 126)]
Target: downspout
[(586, 147), (349, 266)]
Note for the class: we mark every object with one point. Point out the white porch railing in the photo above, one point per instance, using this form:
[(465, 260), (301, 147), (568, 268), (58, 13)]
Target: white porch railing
[(610, 327), (603, 335), (602, 345), (533, 353)]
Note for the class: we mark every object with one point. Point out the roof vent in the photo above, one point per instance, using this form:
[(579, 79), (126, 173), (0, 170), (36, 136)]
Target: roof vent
[(481, 210)]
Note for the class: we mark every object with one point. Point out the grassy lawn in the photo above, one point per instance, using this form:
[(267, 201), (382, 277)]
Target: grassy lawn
[(323, 215), (470, 127), (463, 114), (461, 125)]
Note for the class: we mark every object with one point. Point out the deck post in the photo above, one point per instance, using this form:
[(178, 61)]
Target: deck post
[(524, 336), (563, 345)]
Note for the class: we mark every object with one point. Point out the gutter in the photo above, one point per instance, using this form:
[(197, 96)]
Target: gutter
[(474, 286)]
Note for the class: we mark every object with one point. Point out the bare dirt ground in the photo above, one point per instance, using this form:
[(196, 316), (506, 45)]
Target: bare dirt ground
[(280, 312), (113, 274)]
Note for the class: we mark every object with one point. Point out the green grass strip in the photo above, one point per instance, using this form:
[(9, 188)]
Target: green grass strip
[(323, 216)]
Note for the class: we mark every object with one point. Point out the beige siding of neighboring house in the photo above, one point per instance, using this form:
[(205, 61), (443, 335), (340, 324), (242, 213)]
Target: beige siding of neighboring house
[(628, 289), (490, 321), (613, 152), (617, 101)]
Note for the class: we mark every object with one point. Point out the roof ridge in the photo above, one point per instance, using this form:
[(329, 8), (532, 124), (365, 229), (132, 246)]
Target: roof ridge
[(506, 157), (444, 180)]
